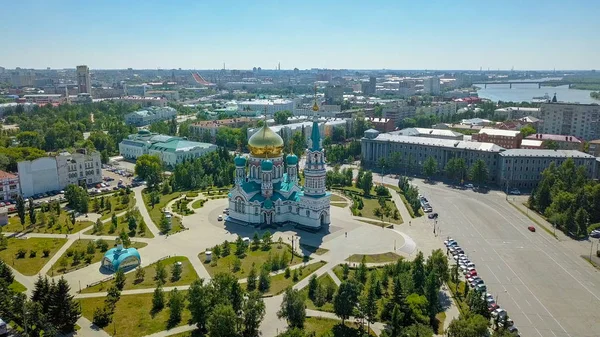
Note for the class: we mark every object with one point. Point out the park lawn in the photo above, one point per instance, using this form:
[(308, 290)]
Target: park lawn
[(257, 257), (117, 205), (324, 280), (182, 207), (156, 212), (61, 226), (16, 286), (29, 266), (336, 198), (440, 317), (199, 203), (410, 209), (313, 249), (188, 275), (193, 333), (82, 245), (122, 224), (370, 204), (339, 204), (374, 258), (132, 316), (322, 327), (279, 283)]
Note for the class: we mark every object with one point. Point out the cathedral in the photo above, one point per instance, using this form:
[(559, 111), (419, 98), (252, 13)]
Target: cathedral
[(267, 190)]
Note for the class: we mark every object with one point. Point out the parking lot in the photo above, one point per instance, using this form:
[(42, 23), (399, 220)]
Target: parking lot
[(545, 287)]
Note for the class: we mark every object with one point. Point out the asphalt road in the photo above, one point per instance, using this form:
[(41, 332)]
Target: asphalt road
[(546, 288)]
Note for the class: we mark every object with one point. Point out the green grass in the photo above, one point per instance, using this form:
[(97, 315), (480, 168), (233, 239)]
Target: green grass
[(458, 294), (81, 245), (322, 327), (132, 316), (198, 203), (188, 275), (374, 258), (336, 198), (324, 280), (340, 205), (193, 333), (115, 201), (62, 223), (181, 207), (440, 318), (279, 283), (156, 212), (393, 187), (410, 209), (123, 225), (16, 286), (29, 266), (257, 257), (314, 250), (370, 204), (376, 223)]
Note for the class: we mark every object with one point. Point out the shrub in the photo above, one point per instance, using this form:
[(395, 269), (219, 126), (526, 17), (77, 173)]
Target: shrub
[(21, 253), (102, 316), (46, 252), (70, 252), (32, 253)]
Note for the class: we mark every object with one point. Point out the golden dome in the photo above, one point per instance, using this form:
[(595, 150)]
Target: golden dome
[(315, 107), (265, 143)]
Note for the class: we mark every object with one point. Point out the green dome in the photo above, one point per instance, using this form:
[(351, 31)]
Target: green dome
[(291, 159), (240, 161), (266, 165), (268, 204)]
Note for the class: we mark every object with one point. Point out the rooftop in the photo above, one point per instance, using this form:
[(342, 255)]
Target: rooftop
[(556, 138), (545, 153), (531, 142), (179, 145), (477, 146), (6, 175), (499, 132), (426, 131)]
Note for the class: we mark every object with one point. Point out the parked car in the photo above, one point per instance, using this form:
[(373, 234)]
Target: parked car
[(515, 191), (595, 234), (220, 217), (493, 307), (450, 242), (432, 216), (481, 288), (469, 185), (3, 328), (513, 330), (498, 313), (531, 228)]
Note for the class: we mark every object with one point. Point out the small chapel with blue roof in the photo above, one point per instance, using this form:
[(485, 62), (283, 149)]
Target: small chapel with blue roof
[(267, 189)]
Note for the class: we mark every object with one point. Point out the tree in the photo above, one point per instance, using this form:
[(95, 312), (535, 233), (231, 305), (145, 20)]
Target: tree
[(21, 210), (161, 273), (582, 221), (154, 198), (468, 326), (361, 272), (366, 183), (158, 300), (200, 303), (254, 312), (281, 117), (255, 241), (419, 330), (266, 240), (551, 144), (149, 168), (222, 322), (77, 197), (140, 273), (528, 130), (176, 270), (176, 305), (264, 281), (251, 279), (345, 271), (164, 224), (368, 304), (396, 322), (430, 167), (418, 273), (479, 172), (120, 279), (64, 310), (132, 224), (417, 305), (31, 212), (293, 308), (345, 300), (240, 247), (313, 284), (432, 294)]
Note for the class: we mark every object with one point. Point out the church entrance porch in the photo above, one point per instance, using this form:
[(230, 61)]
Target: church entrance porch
[(267, 218)]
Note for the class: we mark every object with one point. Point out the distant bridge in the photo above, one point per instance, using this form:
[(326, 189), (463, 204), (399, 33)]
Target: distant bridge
[(552, 83)]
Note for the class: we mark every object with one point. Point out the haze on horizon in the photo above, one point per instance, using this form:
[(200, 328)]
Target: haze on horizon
[(526, 35)]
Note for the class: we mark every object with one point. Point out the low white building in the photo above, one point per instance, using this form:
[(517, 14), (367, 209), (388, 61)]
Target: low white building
[(150, 115), (271, 105), (56, 173)]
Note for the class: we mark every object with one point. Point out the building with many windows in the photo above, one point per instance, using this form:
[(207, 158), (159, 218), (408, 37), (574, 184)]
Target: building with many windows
[(271, 106), (84, 83), (9, 186), (508, 139), (562, 142), (579, 120), (150, 115), (199, 129)]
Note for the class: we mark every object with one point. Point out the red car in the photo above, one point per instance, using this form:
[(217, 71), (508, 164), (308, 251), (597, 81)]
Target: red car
[(493, 307), (531, 228), (473, 272)]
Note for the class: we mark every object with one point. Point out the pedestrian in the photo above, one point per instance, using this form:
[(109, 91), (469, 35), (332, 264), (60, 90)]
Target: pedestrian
[(409, 223), (346, 234)]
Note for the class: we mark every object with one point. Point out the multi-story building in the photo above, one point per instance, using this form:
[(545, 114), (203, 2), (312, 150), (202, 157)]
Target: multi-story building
[(517, 112), (369, 87), (136, 90), (150, 115), (43, 98), (334, 95), (84, 83), (22, 78), (532, 144), (198, 129), (55, 173), (171, 150), (431, 85), (594, 148), (170, 95), (521, 168), (271, 106), (398, 111), (415, 150), (507, 139), (145, 101), (382, 124), (562, 142), (579, 120), (9, 186), (429, 133)]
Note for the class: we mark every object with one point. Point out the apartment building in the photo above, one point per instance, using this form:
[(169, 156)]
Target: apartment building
[(565, 142), (198, 129), (579, 120), (508, 139), (9, 186), (150, 115)]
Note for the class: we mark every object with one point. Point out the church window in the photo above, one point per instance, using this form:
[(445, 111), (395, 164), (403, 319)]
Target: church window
[(278, 210), (307, 212), (255, 210)]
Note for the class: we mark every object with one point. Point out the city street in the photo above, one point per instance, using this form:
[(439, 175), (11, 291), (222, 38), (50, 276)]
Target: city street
[(544, 285)]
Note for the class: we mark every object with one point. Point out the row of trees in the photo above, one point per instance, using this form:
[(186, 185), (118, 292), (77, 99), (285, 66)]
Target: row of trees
[(568, 198), (344, 153), (50, 310)]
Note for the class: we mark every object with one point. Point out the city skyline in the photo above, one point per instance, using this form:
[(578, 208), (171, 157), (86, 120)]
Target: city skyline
[(152, 35)]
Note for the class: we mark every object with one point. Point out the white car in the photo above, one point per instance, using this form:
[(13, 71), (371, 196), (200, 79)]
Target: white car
[(469, 185), (498, 313), (449, 242), (220, 217)]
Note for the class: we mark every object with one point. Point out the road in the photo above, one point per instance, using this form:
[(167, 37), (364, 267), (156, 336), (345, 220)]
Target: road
[(545, 286)]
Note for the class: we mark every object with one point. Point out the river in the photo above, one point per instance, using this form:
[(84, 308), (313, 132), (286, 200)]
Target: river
[(526, 92)]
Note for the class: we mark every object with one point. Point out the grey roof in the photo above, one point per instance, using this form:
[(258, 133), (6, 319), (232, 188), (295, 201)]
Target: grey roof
[(427, 131), (545, 153), (449, 143)]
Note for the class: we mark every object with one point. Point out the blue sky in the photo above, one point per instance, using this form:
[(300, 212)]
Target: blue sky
[(376, 34)]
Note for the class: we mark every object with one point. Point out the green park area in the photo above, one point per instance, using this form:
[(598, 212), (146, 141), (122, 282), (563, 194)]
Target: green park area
[(131, 222), (49, 221), (149, 280), (326, 327), (224, 260), (156, 206), (198, 203), (29, 255), (84, 252), (17, 287), (319, 294), (374, 258), (309, 250), (116, 203), (281, 281), (132, 315), (338, 201)]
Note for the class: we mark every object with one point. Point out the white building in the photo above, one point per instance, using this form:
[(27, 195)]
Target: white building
[(9, 186), (271, 105), (431, 85), (171, 150), (56, 173), (517, 112), (445, 108), (150, 115), (579, 120), (170, 95), (43, 98)]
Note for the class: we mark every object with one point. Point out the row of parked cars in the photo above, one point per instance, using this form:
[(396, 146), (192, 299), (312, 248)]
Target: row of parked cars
[(118, 171), (474, 281)]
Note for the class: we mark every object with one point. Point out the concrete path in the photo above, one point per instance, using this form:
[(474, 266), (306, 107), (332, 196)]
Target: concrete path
[(139, 202), (132, 292), (334, 277), (400, 206), (174, 331), (88, 329)]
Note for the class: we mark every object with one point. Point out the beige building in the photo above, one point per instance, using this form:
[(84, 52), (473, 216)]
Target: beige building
[(594, 148), (507, 139), (579, 120), (84, 83)]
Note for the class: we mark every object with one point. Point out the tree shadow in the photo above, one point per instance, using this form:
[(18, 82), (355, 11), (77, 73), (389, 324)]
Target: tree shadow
[(445, 300)]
